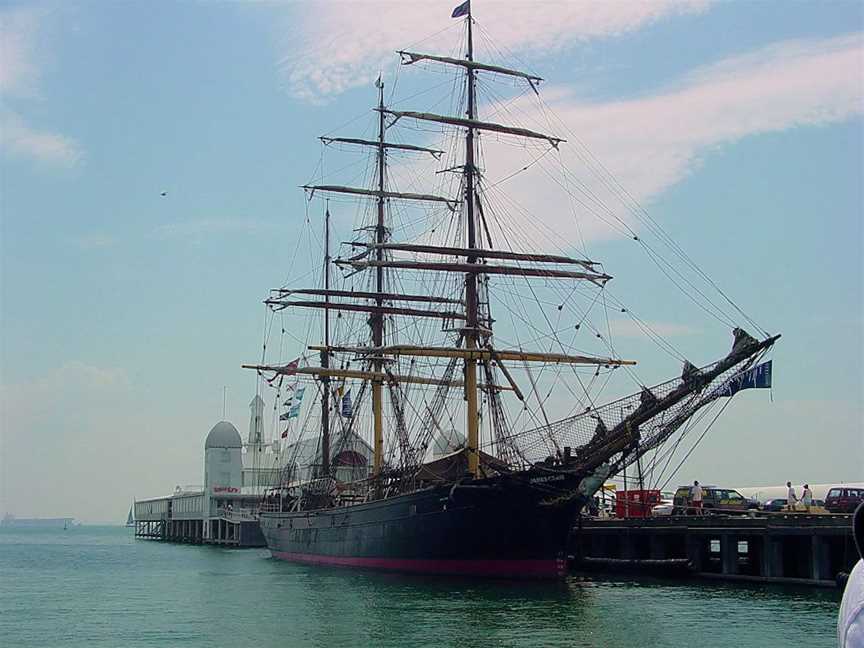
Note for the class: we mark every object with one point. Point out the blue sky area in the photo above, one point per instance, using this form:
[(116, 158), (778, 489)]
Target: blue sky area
[(125, 312)]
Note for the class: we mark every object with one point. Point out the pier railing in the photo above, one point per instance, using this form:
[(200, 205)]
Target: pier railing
[(237, 514)]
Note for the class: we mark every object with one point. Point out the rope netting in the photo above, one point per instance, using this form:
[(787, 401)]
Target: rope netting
[(620, 431)]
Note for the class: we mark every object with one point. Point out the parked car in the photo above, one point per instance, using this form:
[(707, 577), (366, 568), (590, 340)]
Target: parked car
[(665, 507), (843, 500), (776, 504), (713, 498)]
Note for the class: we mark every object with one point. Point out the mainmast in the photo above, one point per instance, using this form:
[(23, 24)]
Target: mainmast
[(325, 355), (471, 329), (377, 318)]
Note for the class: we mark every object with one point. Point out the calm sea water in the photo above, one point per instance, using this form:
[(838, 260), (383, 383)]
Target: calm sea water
[(97, 586)]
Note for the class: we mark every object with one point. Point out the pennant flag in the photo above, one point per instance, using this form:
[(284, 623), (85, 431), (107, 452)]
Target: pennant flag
[(277, 378), (462, 10), (285, 434), (758, 377), (294, 412), (290, 401), (347, 407), (284, 417), (291, 368)]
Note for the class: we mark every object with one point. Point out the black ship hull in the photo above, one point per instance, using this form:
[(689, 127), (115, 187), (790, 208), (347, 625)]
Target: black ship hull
[(483, 530)]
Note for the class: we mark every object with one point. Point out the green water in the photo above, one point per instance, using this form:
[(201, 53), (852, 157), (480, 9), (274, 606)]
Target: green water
[(97, 586)]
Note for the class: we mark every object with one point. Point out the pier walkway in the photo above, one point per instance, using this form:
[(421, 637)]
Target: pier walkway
[(185, 517)]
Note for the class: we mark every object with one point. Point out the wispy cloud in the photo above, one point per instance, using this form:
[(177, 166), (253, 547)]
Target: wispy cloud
[(652, 142), (20, 31), (20, 139), (18, 69), (341, 45), (208, 226)]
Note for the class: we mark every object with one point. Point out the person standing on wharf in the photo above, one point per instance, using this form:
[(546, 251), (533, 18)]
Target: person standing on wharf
[(696, 498), (791, 498)]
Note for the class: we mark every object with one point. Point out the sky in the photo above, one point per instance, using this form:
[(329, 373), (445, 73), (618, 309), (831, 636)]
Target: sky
[(124, 313)]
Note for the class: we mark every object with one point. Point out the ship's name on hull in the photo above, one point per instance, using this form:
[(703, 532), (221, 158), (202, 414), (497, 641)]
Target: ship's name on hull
[(546, 478)]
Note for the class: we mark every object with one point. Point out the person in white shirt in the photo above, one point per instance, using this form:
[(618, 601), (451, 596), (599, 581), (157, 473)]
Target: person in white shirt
[(807, 497), (850, 620), (791, 498), (696, 497)]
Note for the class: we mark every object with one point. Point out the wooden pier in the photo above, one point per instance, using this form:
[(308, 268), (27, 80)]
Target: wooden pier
[(190, 518), (227, 531), (793, 548)]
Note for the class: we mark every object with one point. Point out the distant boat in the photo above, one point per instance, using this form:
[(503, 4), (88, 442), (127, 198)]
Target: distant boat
[(130, 519), (43, 523)]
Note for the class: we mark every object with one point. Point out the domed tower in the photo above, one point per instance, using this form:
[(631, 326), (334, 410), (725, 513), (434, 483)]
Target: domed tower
[(223, 459), (223, 469)]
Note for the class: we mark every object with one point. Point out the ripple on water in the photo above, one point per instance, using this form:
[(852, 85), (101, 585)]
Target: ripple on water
[(96, 586)]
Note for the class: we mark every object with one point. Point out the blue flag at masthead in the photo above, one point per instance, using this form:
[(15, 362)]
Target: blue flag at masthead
[(462, 10)]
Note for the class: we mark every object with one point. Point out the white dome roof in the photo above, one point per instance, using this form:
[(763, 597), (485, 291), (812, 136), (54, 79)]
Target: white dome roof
[(223, 435)]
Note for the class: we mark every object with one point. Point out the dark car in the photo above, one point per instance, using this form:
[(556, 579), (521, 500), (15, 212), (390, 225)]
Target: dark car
[(776, 504), (844, 500)]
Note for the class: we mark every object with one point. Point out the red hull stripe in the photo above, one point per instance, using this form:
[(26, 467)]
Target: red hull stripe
[(500, 568)]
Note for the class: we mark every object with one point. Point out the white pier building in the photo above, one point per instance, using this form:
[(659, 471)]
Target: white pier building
[(222, 511)]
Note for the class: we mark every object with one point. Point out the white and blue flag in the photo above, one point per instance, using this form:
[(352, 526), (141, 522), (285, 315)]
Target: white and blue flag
[(297, 402)]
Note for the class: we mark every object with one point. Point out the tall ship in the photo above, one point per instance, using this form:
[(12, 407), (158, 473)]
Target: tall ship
[(456, 423)]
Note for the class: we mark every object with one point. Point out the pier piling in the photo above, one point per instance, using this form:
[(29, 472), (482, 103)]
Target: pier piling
[(792, 548)]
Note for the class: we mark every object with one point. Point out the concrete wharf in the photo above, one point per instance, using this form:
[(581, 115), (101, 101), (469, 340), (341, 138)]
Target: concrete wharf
[(790, 548)]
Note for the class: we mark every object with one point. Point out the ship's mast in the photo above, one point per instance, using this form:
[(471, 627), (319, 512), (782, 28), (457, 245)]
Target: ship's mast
[(325, 355), (478, 260), (377, 319), (471, 307)]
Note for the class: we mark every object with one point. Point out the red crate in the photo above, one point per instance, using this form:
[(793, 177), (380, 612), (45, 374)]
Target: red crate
[(636, 503)]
